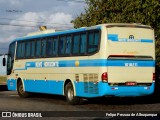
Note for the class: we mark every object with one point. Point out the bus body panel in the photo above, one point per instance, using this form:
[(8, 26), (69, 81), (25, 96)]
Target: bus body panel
[(131, 55), (130, 41)]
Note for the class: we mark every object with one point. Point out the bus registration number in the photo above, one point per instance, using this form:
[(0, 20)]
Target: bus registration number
[(131, 83)]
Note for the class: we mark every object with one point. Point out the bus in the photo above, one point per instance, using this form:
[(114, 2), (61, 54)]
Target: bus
[(116, 59)]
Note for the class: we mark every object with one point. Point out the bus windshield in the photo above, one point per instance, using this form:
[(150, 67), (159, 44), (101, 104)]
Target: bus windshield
[(10, 59)]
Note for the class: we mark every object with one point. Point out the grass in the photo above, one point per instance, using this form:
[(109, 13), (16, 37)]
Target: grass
[(3, 80)]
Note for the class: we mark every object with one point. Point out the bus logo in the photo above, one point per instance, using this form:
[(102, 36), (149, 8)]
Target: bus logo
[(131, 37)]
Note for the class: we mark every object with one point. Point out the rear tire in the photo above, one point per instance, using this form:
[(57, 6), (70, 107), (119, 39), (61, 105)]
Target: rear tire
[(20, 90), (69, 92)]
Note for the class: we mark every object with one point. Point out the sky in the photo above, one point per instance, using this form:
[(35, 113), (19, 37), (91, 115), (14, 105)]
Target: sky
[(20, 17)]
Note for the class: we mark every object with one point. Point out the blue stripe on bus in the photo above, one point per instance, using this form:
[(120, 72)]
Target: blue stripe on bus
[(93, 63), (147, 40), (44, 86), (114, 38), (12, 84), (39, 86), (88, 89)]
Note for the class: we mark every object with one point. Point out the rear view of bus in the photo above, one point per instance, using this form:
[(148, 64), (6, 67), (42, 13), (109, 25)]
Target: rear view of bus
[(130, 59)]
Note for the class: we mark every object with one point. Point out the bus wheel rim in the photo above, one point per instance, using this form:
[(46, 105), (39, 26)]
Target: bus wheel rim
[(21, 89), (70, 94)]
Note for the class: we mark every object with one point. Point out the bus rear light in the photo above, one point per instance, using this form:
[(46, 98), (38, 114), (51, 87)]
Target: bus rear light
[(154, 77), (104, 77)]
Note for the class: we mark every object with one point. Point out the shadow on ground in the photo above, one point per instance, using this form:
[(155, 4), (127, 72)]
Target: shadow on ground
[(3, 88), (152, 99)]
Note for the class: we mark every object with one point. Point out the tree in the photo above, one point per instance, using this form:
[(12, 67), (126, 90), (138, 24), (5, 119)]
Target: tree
[(122, 11)]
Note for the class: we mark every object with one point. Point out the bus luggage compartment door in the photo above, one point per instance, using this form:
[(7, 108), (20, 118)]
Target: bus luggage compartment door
[(130, 72)]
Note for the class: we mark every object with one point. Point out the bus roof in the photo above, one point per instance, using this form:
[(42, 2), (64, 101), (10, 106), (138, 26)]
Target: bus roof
[(138, 25), (52, 32)]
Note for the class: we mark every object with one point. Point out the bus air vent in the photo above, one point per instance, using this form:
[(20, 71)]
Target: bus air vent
[(90, 83)]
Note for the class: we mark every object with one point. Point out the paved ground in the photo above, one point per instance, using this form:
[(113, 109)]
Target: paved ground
[(10, 101)]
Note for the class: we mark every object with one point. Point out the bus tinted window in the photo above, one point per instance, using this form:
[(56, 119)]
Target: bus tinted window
[(68, 45), (74, 44), (18, 53), (38, 48), (32, 48), (93, 40), (22, 50), (76, 41), (10, 59), (49, 46), (62, 41), (12, 50), (43, 47), (55, 46), (83, 43), (96, 42), (28, 49)]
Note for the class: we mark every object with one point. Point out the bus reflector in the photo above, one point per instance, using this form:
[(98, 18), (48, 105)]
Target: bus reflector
[(104, 77), (154, 77)]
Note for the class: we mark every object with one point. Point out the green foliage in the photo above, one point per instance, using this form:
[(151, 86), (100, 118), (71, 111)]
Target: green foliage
[(3, 80), (122, 11)]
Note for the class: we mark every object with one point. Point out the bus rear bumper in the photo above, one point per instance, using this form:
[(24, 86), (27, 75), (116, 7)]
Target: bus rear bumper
[(126, 91), (101, 89)]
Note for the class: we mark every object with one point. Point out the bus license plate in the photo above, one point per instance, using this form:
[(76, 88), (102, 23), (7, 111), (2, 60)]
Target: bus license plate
[(131, 83)]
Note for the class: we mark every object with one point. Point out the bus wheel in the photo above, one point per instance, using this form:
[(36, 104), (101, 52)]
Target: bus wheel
[(21, 91), (69, 92)]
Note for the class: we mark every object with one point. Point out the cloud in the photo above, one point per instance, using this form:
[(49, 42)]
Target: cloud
[(2, 1), (31, 21), (11, 2), (28, 20), (54, 14), (15, 2), (9, 39), (74, 8), (58, 20)]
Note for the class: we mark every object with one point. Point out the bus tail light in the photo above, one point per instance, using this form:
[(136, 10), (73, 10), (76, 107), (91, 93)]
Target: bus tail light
[(154, 77), (104, 77)]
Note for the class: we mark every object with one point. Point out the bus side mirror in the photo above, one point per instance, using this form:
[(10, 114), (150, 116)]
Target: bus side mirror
[(4, 61)]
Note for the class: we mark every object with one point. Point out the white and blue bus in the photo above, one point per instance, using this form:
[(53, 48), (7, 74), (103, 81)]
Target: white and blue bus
[(102, 60)]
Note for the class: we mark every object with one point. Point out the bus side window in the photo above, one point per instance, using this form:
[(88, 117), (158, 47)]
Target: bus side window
[(76, 41), (19, 47), (62, 41), (32, 48), (23, 50), (83, 43), (28, 49), (49, 46), (96, 38), (68, 45), (38, 48), (43, 44), (55, 46), (93, 40)]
